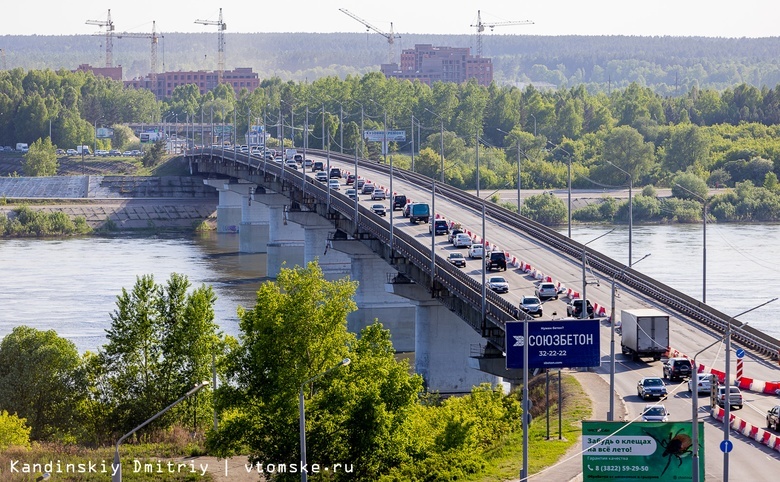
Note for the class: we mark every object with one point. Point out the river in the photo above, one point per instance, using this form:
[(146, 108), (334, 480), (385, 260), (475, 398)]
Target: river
[(70, 285)]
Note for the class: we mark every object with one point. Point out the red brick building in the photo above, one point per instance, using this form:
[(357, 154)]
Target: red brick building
[(239, 78), (429, 64)]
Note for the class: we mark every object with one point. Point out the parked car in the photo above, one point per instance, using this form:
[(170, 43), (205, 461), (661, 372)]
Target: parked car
[(498, 284), (399, 201), (546, 291), (496, 260), (773, 418), (457, 259), (476, 251), (462, 241), (438, 226), (126, 153), (379, 209), (677, 369), (71, 152), (114, 152), (574, 308), (351, 193), (321, 176), (531, 305), (655, 413), (648, 387), (735, 397), (334, 184), (702, 382), (378, 195)]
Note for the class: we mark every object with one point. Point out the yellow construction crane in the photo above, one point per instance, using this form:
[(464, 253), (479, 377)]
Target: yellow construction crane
[(109, 37), (481, 28), (155, 40), (221, 27), (389, 36)]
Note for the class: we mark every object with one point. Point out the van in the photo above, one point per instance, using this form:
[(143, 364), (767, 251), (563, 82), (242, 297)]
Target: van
[(22, 147), (289, 154), (399, 201), (419, 212)]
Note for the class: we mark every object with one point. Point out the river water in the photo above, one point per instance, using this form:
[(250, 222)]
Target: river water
[(71, 285)]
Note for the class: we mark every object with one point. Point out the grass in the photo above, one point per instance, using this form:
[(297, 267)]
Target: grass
[(505, 462)]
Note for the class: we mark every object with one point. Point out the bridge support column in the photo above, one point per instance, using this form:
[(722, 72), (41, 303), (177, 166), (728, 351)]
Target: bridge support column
[(374, 300), (442, 344), (229, 207), (334, 264), (286, 241), (253, 232)]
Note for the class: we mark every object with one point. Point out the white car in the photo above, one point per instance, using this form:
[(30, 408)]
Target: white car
[(498, 284), (334, 184), (461, 241), (321, 176), (378, 195), (546, 291), (291, 164), (531, 305), (379, 209), (655, 413), (703, 383), (476, 251), (71, 152)]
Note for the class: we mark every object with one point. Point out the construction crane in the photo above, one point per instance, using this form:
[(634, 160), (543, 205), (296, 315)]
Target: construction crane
[(389, 36), (481, 28), (221, 27), (109, 37), (155, 40)]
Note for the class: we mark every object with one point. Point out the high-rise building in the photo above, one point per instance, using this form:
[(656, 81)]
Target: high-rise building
[(430, 64)]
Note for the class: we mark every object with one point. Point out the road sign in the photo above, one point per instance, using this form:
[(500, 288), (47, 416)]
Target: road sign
[(381, 136), (726, 446), (554, 344), (740, 353)]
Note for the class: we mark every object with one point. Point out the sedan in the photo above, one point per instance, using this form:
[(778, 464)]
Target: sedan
[(531, 305), (655, 413), (350, 179), (457, 259), (321, 176), (461, 241), (476, 251), (702, 383), (379, 209), (650, 387), (351, 193), (378, 195), (334, 184), (498, 284)]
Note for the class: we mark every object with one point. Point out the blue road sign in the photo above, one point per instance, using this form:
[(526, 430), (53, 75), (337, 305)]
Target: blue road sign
[(554, 344), (726, 446), (740, 353)]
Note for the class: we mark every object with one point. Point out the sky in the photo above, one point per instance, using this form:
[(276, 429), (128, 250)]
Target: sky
[(709, 18)]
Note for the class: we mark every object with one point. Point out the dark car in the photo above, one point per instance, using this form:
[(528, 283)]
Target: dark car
[(453, 233), (399, 201), (574, 308), (350, 178), (335, 172), (648, 387), (677, 369), (496, 260), (457, 259), (773, 418), (438, 226), (317, 166)]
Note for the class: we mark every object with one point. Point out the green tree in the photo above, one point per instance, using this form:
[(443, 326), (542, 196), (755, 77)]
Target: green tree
[(155, 154), (41, 159), (545, 208), (686, 147), (693, 187), (13, 431), (624, 146), (39, 382)]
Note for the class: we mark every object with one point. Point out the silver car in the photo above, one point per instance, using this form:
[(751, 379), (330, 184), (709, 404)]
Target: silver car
[(703, 383), (531, 305), (546, 291), (498, 284), (655, 413)]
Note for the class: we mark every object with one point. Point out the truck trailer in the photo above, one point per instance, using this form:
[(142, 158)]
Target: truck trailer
[(645, 333)]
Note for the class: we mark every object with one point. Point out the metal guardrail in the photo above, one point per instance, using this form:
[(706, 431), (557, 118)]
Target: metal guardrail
[(466, 288)]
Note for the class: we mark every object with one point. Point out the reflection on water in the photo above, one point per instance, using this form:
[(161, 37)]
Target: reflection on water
[(71, 285)]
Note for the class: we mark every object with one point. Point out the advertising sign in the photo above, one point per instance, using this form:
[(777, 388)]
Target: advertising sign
[(379, 136), (620, 451), (554, 344), (104, 133)]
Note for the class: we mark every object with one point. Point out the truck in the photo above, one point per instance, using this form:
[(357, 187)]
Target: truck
[(645, 333), (419, 212), (84, 150), (22, 147)]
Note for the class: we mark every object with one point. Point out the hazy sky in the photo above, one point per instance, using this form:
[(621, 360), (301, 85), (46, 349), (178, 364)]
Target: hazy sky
[(712, 18)]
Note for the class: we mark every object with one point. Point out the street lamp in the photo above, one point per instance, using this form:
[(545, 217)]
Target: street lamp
[(568, 156), (518, 168), (94, 131), (704, 242), (302, 414), (441, 148), (611, 414), (584, 311), (630, 207), (117, 465), (534, 117)]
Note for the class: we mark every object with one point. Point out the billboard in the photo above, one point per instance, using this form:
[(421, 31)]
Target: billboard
[(621, 451), (104, 133), (379, 136), (554, 344)]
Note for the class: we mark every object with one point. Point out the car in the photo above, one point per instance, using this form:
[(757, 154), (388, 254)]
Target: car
[(453, 232), (291, 164), (350, 179), (655, 413), (399, 201), (114, 152), (318, 166), (498, 284), (351, 193), (773, 418), (334, 184), (137, 152), (546, 291), (531, 305), (476, 251), (703, 382), (307, 163), (735, 397), (335, 173), (279, 160), (269, 157), (368, 188), (71, 152), (651, 387), (438, 226), (574, 308), (321, 176), (379, 209), (677, 369), (462, 240), (378, 195), (495, 260), (298, 158), (127, 153), (457, 259), (59, 152), (407, 208), (359, 183), (8, 149)]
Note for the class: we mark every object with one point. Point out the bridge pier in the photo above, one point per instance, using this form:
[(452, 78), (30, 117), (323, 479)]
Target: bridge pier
[(229, 207), (286, 238), (442, 344), (316, 229)]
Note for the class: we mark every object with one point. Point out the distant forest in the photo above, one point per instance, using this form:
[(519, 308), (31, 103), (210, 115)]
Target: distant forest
[(670, 66)]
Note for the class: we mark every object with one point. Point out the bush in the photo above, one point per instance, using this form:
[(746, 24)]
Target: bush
[(13, 431)]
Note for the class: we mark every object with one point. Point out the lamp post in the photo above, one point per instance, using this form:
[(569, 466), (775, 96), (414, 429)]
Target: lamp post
[(611, 414), (519, 199), (630, 207), (117, 465), (568, 156), (94, 131), (584, 312), (302, 415), (703, 242), (534, 117), (441, 148)]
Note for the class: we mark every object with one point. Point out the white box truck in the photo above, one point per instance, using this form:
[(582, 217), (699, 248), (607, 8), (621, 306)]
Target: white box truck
[(22, 147), (645, 333), (83, 150)]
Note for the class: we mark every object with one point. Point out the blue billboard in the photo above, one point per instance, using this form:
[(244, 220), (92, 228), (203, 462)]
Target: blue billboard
[(554, 344)]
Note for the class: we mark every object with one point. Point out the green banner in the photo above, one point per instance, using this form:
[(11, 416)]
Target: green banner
[(619, 451)]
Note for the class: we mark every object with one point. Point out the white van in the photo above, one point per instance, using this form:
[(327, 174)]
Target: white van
[(22, 147), (289, 154)]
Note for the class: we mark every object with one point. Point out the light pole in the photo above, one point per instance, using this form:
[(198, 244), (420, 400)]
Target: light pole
[(630, 207), (534, 117), (584, 312), (517, 142), (94, 131), (441, 148), (302, 415), (117, 465), (703, 241), (611, 414), (568, 156)]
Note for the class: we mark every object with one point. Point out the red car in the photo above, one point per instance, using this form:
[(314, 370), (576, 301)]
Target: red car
[(350, 179)]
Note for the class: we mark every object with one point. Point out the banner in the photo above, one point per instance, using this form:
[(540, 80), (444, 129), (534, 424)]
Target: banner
[(554, 344), (380, 136)]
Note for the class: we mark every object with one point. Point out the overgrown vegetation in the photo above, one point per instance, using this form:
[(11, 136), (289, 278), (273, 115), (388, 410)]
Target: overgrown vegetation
[(28, 222)]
